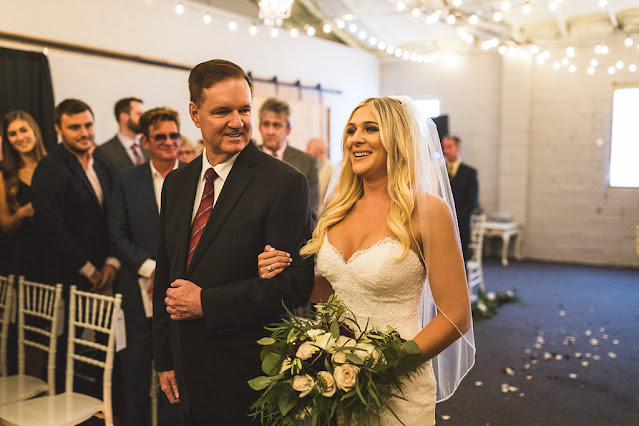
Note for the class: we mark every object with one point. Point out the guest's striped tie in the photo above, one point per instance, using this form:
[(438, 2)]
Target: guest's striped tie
[(203, 213)]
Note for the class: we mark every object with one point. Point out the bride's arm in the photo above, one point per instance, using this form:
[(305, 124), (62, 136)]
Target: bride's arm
[(322, 290), (447, 278)]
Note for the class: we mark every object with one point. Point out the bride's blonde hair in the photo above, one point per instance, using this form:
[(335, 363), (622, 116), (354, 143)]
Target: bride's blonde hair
[(394, 132)]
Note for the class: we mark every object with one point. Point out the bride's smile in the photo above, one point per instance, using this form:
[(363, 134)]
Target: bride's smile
[(366, 152)]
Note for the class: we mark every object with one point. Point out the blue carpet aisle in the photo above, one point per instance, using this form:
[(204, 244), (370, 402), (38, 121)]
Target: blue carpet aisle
[(572, 344)]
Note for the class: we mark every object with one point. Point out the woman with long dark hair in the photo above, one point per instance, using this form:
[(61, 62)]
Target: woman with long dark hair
[(22, 149)]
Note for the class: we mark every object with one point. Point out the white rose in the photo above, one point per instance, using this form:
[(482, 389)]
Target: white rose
[(328, 381), (339, 357), (346, 376), (303, 384), (325, 341), (306, 350), (314, 332), (491, 295), (481, 306), (286, 364)]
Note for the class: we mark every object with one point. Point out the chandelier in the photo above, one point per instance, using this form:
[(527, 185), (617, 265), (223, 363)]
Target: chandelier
[(273, 12)]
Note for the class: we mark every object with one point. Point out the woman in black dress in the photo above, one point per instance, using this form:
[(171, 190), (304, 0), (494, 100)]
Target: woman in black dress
[(22, 149)]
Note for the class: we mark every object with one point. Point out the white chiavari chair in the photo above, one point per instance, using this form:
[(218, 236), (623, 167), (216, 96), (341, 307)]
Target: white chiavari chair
[(40, 316), (7, 294), (87, 311), (474, 267)]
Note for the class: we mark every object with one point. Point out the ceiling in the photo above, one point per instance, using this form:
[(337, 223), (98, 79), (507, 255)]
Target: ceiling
[(423, 27)]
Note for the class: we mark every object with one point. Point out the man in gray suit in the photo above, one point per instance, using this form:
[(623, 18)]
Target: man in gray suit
[(124, 149), (275, 126)]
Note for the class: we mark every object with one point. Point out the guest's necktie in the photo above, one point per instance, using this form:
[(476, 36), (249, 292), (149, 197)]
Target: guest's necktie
[(135, 149), (203, 213), (449, 169)]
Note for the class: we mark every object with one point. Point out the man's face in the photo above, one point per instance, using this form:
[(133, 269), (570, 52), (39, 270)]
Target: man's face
[(133, 118), (76, 131), (186, 154), (163, 142), (274, 129), (224, 118), (450, 150)]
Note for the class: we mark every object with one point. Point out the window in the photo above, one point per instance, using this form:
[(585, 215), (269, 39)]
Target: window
[(428, 107), (624, 145)]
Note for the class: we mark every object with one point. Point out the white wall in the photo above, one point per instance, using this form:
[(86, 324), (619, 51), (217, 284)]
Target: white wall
[(532, 133), (154, 30)]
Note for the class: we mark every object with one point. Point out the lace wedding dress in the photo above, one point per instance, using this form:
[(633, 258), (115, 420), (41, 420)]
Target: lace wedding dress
[(384, 291)]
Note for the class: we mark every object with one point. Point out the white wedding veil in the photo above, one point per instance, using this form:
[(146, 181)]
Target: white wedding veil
[(429, 177)]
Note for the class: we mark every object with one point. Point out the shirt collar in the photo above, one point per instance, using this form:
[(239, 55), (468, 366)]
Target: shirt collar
[(127, 142), (154, 171), (222, 169), (280, 151)]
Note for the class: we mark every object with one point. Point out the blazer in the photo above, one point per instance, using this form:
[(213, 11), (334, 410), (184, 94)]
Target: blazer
[(263, 201), (307, 164), (69, 218), (465, 188), (134, 225), (114, 154)]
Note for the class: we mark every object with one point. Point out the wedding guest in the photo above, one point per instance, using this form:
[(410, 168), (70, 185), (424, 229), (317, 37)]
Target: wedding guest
[(187, 152), (465, 187), (387, 247), (275, 126), (134, 222), (22, 150), (218, 212), (124, 149), (317, 148)]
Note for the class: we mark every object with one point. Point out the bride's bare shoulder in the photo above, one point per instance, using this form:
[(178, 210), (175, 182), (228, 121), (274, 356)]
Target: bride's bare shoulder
[(433, 206)]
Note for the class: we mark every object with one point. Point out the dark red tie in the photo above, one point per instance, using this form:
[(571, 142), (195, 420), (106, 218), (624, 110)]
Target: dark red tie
[(135, 148), (203, 213)]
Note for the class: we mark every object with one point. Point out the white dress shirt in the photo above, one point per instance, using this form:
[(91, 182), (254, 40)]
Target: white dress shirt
[(222, 170)]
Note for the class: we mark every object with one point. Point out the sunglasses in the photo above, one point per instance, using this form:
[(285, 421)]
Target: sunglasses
[(161, 137)]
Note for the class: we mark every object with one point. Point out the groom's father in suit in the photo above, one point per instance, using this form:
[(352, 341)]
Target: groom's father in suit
[(134, 223), (275, 126), (218, 214), (465, 187), (125, 150)]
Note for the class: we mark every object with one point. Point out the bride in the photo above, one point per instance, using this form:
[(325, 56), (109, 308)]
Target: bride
[(387, 245)]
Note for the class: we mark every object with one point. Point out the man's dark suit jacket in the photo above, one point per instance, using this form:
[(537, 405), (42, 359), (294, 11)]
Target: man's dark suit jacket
[(134, 222), (465, 187), (69, 218), (263, 201), (307, 164), (114, 154)]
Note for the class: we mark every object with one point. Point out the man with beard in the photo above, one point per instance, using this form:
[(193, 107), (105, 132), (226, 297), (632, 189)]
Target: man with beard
[(124, 149), (70, 195)]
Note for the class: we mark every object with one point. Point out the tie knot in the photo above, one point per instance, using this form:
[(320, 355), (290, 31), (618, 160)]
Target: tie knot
[(210, 174)]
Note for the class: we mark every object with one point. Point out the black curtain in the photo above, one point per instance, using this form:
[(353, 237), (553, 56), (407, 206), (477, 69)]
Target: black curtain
[(25, 83)]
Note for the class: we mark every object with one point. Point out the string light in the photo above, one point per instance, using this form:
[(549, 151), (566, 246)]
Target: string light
[(401, 6), (294, 32), (632, 68), (570, 52), (179, 8), (253, 30), (628, 41), (207, 18), (451, 19), (415, 13), (591, 70), (527, 9), (594, 62), (232, 25), (327, 28), (505, 6), (498, 16), (619, 65), (473, 19), (310, 31)]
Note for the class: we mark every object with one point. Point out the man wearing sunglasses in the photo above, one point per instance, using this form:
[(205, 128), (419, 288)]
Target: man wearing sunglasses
[(134, 224)]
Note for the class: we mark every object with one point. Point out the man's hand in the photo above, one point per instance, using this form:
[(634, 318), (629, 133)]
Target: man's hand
[(168, 384), (95, 279), (183, 300), (108, 275), (149, 289)]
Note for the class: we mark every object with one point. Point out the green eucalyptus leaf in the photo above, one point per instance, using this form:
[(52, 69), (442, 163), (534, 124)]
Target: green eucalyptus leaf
[(285, 403), (259, 383), (265, 341), (411, 348), (352, 358), (272, 364), (335, 330)]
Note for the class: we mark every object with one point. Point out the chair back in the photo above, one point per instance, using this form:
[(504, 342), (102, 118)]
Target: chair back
[(40, 317), (7, 295), (91, 313), (477, 227)]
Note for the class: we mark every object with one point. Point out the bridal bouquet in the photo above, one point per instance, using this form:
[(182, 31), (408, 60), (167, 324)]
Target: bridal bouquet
[(317, 369)]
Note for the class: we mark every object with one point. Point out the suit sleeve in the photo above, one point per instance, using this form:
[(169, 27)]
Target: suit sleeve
[(48, 189), (258, 300), (314, 187), (473, 192), (120, 229), (162, 357)]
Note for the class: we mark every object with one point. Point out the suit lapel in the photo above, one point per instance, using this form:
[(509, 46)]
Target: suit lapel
[(184, 206), (147, 188), (238, 179), (289, 155), (76, 169)]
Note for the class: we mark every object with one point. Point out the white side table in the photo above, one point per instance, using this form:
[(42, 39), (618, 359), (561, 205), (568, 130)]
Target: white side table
[(505, 230)]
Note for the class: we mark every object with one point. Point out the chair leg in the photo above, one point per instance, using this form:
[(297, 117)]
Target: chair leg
[(155, 388)]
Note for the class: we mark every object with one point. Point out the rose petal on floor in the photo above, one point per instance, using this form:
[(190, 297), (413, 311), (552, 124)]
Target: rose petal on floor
[(529, 377), (478, 383), (594, 342), (572, 375), (445, 417), (596, 357), (615, 342), (562, 313), (509, 371), (612, 355), (584, 363), (588, 333)]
